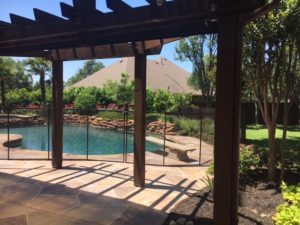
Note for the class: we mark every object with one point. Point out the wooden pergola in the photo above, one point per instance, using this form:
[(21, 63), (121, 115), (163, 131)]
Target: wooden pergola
[(86, 33)]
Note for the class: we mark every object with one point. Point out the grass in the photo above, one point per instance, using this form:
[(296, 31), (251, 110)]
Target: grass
[(258, 134)]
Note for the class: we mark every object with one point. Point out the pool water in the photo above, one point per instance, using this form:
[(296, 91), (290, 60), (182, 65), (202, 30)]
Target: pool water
[(101, 141)]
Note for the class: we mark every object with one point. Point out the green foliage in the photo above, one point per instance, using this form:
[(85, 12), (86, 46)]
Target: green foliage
[(191, 127), (125, 91), (150, 100), (89, 68), (19, 79), (258, 136), (208, 130), (209, 182), (248, 159), (35, 97), (108, 93), (71, 93), (186, 126), (211, 169), (111, 115), (163, 100), (288, 213), (18, 97), (180, 101), (201, 51), (85, 100)]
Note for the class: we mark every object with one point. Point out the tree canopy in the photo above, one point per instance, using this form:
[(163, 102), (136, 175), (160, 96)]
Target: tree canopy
[(89, 67), (201, 51)]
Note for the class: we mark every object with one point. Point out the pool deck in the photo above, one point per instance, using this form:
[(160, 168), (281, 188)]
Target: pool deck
[(90, 192), (99, 191)]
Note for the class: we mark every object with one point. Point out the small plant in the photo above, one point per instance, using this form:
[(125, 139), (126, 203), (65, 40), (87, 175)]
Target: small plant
[(209, 182), (211, 169), (248, 160), (288, 213)]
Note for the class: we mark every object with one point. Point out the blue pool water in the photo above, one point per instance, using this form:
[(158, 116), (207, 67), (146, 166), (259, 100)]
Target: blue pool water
[(101, 141)]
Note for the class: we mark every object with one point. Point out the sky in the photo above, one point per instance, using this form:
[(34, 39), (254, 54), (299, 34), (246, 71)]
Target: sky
[(25, 8)]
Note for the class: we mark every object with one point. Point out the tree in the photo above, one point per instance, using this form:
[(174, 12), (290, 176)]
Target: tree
[(7, 70), (88, 69), (125, 91), (271, 55), (41, 68), (201, 51), (20, 79)]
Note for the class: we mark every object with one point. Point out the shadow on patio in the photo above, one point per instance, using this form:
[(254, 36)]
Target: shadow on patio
[(90, 193)]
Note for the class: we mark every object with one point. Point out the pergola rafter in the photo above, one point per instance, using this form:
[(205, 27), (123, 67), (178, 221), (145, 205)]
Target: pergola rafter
[(86, 32), (87, 26)]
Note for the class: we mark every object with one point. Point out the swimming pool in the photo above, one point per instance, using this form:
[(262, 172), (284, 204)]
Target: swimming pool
[(101, 141)]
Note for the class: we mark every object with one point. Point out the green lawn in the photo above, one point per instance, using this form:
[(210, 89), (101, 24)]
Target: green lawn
[(257, 134)]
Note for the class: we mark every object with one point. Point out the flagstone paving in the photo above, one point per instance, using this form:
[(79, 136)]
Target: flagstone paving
[(91, 192)]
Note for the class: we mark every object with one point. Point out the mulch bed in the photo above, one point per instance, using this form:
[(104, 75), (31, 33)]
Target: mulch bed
[(258, 202)]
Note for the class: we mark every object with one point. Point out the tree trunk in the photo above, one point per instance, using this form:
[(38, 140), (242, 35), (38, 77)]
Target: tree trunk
[(256, 112), (3, 100), (283, 140), (272, 152), (43, 89)]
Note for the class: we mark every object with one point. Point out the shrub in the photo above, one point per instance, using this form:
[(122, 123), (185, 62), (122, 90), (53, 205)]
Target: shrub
[(211, 169), (71, 93), (163, 101), (208, 130), (150, 100), (35, 97), (125, 91), (288, 213), (248, 159), (18, 97), (187, 126), (180, 101), (85, 101), (108, 94)]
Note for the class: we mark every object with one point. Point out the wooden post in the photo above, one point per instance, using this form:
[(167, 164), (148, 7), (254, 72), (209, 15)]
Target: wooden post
[(227, 129), (57, 114), (139, 119)]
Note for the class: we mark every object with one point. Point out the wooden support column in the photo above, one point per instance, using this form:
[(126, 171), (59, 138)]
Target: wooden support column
[(139, 119), (227, 129), (57, 114)]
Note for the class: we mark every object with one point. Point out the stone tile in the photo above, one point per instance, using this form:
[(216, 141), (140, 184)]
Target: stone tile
[(44, 218), (6, 179), (95, 214), (53, 203), (20, 193), (87, 193), (12, 209), (58, 189), (16, 220)]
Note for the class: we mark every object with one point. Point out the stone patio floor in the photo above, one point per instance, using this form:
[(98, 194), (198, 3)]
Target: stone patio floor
[(91, 192)]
